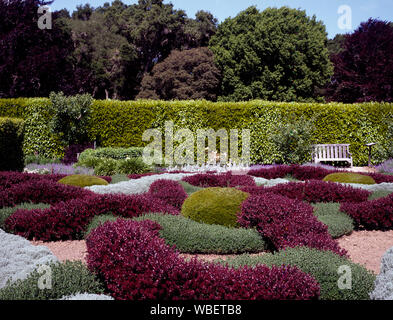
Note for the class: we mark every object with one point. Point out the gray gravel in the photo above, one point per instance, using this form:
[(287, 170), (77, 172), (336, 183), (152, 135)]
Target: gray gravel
[(18, 258)]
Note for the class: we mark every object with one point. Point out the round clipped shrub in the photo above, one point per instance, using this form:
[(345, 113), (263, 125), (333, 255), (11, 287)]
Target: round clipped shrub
[(171, 192), (322, 265), (81, 180), (215, 206), (349, 177)]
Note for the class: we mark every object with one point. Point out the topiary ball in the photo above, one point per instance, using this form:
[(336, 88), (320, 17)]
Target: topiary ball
[(81, 180), (215, 206), (349, 177)]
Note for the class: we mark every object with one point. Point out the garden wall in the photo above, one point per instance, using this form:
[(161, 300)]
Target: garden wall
[(122, 123)]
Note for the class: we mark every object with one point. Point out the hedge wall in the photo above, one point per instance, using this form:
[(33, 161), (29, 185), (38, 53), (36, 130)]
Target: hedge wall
[(122, 123), (11, 140)]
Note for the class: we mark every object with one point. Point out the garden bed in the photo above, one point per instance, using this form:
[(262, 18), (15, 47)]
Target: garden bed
[(240, 218)]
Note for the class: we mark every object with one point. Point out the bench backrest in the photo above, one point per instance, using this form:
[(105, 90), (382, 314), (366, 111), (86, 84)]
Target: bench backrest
[(331, 151)]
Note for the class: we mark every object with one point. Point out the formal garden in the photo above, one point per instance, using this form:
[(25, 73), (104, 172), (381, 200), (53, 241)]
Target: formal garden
[(299, 208)]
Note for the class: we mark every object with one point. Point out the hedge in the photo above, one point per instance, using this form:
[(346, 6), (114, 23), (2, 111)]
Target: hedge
[(122, 123), (11, 142)]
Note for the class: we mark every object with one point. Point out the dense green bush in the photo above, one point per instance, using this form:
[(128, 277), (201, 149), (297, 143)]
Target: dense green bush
[(323, 266), (11, 144), (293, 141), (109, 167), (83, 180), (349, 177), (68, 278), (71, 116), (214, 206), (37, 159), (39, 140), (8, 211), (339, 223), (122, 123), (112, 153)]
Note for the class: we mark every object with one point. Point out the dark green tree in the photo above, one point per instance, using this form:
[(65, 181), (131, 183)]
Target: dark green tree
[(278, 54), (188, 74)]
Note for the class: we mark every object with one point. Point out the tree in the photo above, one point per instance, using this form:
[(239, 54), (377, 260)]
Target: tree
[(33, 62), (363, 71), (336, 45), (188, 74), (278, 54), (200, 30), (101, 58)]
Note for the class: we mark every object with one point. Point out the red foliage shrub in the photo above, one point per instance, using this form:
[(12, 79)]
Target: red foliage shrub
[(286, 223), (224, 180), (371, 215), (271, 173), (380, 178), (313, 191), (136, 264), (171, 192), (67, 220)]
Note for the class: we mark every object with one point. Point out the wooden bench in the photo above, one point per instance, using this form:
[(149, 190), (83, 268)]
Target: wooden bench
[(331, 152)]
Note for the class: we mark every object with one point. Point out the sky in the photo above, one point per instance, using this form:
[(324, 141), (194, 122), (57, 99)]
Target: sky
[(325, 10)]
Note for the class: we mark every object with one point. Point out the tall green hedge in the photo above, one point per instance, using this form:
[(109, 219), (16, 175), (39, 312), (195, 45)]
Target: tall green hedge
[(122, 123), (11, 142)]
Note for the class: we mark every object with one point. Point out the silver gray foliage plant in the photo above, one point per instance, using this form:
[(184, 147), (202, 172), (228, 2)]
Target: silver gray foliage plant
[(87, 296), (384, 282), (18, 257)]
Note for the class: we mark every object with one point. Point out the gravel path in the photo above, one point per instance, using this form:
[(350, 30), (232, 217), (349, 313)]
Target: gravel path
[(364, 247)]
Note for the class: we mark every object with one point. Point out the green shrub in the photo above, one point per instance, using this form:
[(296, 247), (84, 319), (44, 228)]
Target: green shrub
[(339, 223), (38, 137), (71, 116), (379, 194), (193, 237), (131, 166), (118, 153), (82, 180), (214, 206), (323, 266), (11, 144), (8, 211), (106, 167), (188, 188), (98, 221), (293, 141), (68, 278), (349, 177)]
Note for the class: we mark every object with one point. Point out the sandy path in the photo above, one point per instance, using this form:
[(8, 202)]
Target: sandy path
[(364, 247)]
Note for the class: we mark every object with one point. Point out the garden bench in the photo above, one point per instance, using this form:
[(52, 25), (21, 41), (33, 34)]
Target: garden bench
[(331, 152)]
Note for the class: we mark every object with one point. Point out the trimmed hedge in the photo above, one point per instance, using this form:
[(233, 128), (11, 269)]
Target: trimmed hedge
[(11, 144), (322, 265), (8, 211), (122, 123)]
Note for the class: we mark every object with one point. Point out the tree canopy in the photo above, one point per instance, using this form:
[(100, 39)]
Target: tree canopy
[(188, 74), (364, 67), (276, 54)]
